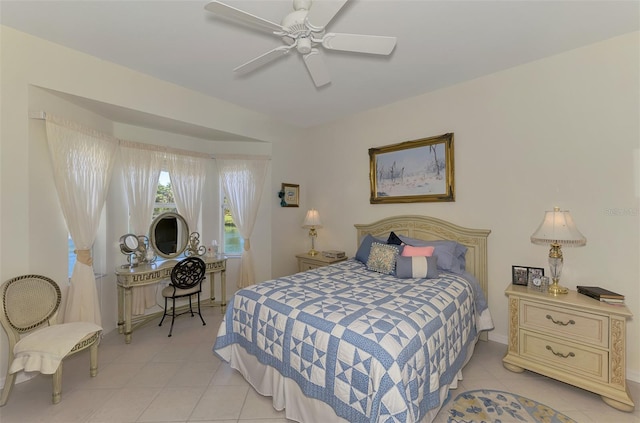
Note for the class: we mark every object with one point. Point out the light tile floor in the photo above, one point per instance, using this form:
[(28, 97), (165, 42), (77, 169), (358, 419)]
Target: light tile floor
[(179, 379)]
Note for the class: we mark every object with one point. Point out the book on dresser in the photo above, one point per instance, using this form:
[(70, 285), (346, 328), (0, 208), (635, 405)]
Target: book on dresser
[(601, 294)]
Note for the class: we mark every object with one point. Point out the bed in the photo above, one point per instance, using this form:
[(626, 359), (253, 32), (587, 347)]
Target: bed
[(344, 343)]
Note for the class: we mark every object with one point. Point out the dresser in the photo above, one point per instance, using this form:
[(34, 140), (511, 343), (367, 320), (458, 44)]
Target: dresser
[(307, 262), (571, 338)]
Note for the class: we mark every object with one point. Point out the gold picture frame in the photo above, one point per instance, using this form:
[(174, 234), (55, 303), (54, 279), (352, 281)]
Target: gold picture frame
[(413, 171), (290, 195)]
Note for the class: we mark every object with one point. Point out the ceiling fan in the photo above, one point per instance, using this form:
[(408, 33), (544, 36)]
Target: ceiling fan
[(304, 30)]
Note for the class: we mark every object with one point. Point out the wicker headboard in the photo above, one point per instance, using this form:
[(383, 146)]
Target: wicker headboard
[(431, 228)]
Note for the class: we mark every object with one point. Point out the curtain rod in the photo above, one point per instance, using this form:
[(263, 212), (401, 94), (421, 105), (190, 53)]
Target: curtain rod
[(40, 114), (240, 157), (37, 114)]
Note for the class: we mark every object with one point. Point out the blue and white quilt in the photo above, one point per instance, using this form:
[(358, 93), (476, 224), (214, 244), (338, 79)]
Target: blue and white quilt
[(374, 347)]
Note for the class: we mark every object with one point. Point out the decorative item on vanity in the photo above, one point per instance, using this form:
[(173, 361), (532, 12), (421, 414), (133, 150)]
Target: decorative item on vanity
[(213, 250), (136, 248), (557, 229), (312, 222), (193, 247)]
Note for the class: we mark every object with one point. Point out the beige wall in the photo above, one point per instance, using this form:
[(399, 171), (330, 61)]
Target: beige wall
[(32, 229), (562, 131)]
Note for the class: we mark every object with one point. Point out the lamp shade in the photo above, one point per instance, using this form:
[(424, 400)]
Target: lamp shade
[(312, 220), (558, 228)]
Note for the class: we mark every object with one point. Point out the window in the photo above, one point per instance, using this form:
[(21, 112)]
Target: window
[(72, 255), (232, 243), (164, 196)]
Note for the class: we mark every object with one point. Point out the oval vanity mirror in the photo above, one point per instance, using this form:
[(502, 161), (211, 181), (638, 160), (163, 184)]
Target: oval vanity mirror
[(169, 234)]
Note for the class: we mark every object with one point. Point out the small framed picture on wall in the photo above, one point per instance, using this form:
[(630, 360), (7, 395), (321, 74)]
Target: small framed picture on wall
[(290, 195)]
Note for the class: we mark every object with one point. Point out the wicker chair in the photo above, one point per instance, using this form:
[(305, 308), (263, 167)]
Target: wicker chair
[(186, 281), (28, 313)]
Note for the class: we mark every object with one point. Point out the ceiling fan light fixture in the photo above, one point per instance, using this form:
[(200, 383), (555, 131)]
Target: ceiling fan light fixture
[(304, 45), (304, 29)]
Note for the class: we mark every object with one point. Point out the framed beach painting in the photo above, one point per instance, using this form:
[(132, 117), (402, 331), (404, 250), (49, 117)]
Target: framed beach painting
[(413, 171)]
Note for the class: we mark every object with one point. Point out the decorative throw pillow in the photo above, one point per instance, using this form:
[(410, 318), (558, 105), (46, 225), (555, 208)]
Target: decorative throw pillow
[(410, 251), (382, 258), (394, 239), (417, 267), (451, 254), (364, 249)]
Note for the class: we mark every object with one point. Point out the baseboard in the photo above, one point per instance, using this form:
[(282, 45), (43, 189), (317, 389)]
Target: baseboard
[(500, 339), (20, 377), (633, 376)]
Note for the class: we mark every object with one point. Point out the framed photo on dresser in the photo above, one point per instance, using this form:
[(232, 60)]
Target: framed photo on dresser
[(520, 275), (533, 272)]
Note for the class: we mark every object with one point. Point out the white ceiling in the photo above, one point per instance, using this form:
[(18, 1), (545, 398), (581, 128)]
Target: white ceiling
[(440, 43)]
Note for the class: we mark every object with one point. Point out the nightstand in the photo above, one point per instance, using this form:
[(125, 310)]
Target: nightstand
[(307, 262), (571, 338)]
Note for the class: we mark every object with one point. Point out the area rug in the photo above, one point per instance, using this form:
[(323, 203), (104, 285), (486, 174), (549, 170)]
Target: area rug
[(488, 406)]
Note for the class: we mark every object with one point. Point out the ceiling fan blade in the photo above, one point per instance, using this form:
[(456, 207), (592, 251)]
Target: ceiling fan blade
[(323, 11), (372, 44), (317, 68), (262, 60), (227, 11)]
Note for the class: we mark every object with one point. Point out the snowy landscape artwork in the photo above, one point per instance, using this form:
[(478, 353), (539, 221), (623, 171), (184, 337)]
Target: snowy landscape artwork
[(413, 171)]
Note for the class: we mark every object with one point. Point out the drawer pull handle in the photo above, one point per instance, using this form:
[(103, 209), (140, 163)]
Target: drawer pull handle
[(558, 322), (557, 354)]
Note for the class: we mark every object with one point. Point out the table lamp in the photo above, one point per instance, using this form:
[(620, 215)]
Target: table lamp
[(557, 229), (312, 221)]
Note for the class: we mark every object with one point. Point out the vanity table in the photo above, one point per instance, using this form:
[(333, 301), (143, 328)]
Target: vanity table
[(169, 238), (147, 274)]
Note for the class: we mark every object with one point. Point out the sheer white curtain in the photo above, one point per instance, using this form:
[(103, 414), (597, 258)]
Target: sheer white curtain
[(82, 164), (243, 179), (141, 167), (188, 174)]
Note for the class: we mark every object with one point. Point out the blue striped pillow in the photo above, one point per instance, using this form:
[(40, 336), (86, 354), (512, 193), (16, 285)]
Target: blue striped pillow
[(417, 267)]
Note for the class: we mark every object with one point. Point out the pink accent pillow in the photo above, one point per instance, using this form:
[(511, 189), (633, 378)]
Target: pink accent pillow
[(411, 251)]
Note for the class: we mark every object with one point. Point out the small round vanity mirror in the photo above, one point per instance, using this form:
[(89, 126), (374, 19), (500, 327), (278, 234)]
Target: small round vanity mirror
[(129, 243), (169, 234)]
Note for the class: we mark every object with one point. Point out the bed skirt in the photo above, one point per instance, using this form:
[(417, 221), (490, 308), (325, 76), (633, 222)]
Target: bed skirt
[(288, 396)]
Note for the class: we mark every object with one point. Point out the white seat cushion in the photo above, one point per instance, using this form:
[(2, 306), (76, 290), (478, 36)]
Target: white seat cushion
[(168, 291), (44, 349)]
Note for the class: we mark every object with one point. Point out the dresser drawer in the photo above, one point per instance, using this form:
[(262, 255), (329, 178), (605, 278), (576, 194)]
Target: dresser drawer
[(305, 265), (589, 328), (566, 356)]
